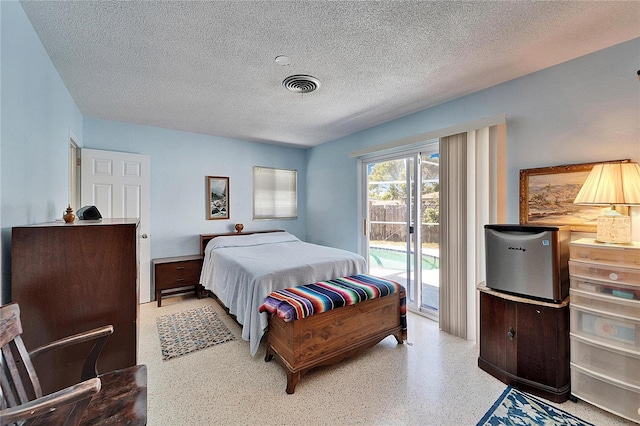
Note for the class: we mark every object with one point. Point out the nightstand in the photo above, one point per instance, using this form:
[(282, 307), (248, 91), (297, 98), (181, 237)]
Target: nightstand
[(176, 275)]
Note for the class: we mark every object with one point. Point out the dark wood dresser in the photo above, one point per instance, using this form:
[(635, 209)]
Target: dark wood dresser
[(69, 278)]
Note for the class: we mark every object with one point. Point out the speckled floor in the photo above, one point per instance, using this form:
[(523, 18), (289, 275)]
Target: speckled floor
[(432, 380)]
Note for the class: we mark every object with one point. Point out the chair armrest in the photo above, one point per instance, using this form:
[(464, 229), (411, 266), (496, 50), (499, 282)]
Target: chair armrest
[(71, 340), (79, 395), (90, 369)]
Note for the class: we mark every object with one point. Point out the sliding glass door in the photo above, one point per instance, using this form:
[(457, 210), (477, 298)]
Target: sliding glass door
[(402, 224)]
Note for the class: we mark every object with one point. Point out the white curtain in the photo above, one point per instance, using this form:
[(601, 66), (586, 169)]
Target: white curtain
[(472, 193)]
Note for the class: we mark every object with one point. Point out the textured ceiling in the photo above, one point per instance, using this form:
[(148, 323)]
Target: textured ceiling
[(209, 67)]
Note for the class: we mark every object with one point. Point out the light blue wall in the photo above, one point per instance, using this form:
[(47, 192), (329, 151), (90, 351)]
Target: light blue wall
[(580, 111), (180, 162), (37, 115)]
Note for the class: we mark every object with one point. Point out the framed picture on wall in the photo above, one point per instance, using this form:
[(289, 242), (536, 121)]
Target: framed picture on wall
[(547, 194), (217, 197)]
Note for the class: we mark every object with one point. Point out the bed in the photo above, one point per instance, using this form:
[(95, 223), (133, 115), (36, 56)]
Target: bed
[(241, 270)]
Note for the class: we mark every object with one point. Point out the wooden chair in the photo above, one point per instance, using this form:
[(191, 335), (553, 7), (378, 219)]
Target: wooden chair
[(115, 398)]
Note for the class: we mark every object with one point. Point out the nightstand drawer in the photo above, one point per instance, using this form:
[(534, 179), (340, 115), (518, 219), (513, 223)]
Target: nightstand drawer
[(170, 275), (616, 255), (604, 272)]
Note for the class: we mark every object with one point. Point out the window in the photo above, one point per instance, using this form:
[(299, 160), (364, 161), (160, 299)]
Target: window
[(275, 194)]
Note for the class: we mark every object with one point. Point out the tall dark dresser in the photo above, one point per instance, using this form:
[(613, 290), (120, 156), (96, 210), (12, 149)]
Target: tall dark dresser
[(69, 278)]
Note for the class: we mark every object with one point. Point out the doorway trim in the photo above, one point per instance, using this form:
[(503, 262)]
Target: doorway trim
[(74, 171)]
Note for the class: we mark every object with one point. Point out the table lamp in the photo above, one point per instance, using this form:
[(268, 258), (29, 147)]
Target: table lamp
[(612, 184)]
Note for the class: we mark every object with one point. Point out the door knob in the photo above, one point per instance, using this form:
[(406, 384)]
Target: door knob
[(144, 236), (511, 333)]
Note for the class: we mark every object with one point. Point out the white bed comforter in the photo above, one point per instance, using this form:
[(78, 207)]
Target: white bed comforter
[(242, 270)]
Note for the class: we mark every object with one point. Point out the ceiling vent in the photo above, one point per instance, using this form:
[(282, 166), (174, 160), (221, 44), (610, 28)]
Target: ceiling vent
[(301, 83)]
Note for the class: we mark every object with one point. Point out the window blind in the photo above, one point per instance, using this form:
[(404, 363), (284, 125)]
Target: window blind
[(275, 194), (472, 194)]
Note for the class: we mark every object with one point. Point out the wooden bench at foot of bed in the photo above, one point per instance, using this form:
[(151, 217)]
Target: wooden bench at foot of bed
[(331, 336)]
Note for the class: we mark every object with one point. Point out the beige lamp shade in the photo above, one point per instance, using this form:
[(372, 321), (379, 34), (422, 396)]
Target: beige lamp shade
[(612, 184)]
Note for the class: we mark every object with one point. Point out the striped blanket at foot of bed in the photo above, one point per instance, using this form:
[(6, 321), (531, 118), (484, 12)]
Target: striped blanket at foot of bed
[(299, 302)]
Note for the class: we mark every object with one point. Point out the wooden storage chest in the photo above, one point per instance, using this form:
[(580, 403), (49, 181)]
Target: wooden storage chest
[(332, 336)]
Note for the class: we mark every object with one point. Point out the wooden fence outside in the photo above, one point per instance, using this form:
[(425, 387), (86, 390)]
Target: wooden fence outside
[(397, 230)]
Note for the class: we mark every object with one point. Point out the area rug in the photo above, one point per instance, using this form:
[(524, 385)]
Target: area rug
[(518, 408), (189, 331)]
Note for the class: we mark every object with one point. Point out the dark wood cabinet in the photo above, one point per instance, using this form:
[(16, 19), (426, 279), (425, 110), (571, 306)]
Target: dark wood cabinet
[(176, 275), (525, 343), (68, 278)]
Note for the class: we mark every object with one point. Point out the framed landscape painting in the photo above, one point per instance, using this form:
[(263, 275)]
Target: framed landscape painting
[(547, 194), (217, 197)]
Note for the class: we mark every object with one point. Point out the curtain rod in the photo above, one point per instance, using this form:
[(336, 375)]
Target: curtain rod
[(423, 137)]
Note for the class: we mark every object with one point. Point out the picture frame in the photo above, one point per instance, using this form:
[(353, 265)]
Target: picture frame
[(217, 198), (547, 194)]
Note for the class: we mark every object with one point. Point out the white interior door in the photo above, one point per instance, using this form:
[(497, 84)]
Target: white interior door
[(118, 184)]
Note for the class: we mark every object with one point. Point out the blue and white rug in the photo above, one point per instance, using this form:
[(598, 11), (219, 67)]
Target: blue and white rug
[(518, 408)]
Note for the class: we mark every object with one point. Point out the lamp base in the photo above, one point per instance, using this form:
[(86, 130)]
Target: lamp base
[(614, 229)]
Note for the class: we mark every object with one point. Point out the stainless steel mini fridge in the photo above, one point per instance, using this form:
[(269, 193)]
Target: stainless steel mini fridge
[(530, 261)]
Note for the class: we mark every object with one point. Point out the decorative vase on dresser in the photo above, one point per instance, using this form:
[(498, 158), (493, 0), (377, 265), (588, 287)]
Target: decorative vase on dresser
[(71, 277), (605, 325)]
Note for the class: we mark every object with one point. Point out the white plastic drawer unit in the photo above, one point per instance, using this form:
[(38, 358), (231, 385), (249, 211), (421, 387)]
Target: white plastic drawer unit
[(598, 271), (605, 302), (605, 327), (603, 391), (605, 359), (618, 255), (611, 288)]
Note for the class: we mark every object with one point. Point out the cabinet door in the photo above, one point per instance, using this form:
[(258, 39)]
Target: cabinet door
[(493, 329), (542, 351)]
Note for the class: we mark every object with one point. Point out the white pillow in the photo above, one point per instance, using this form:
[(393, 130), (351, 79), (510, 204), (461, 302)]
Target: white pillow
[(250, 240)]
